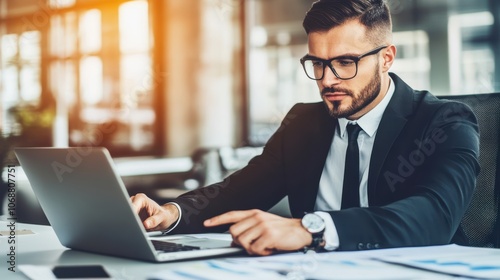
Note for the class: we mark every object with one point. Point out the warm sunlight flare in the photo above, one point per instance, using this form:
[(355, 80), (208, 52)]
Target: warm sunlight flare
[(134, 26)]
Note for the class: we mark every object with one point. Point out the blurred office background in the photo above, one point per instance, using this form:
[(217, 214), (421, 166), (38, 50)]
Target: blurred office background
[(165, 79)]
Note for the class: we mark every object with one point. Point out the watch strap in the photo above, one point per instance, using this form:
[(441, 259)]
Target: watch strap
[(317, 243)]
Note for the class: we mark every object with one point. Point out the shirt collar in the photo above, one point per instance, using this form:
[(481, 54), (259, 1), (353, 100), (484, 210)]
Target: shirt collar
[(369, 122)]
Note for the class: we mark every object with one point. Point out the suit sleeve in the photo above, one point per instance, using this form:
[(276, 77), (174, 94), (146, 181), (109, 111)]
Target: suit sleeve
[(433, 198), (259, 185)]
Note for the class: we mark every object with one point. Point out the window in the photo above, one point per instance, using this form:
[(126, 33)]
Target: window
[(24, 112), (107, 74), (470, 37), (276, 42), (97, 70), (447, 47), (20, 72)]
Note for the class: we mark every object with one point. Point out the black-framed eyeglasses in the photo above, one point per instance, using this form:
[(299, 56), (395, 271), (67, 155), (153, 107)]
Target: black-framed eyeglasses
[(343, 67)]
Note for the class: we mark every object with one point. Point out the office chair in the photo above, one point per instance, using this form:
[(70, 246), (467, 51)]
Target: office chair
[(481, 222)]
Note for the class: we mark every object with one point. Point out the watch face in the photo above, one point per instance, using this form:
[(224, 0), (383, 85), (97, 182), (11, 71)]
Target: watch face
[(313, 223)]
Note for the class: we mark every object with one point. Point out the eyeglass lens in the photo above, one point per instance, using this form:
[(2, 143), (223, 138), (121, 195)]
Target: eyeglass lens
[(345, 68)]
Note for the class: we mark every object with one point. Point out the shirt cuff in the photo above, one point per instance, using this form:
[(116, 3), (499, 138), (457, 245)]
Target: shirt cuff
[(331, 235), (169, 229)]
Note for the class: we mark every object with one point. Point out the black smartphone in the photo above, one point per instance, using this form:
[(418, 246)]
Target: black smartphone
[(79, 271)]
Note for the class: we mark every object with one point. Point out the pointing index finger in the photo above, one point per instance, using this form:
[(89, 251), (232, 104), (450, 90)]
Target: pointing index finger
[(228, 218)]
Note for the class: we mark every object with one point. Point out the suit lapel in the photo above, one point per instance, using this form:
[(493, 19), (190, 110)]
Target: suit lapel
[(317, 152), (393, 121)]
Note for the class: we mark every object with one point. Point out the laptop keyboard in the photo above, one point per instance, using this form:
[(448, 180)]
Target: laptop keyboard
[(166, 246)]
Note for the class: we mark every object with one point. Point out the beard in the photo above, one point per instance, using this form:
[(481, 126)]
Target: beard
[(366, 96)]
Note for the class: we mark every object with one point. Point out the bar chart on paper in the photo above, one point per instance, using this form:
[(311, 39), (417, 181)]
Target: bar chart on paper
[(483, 263)]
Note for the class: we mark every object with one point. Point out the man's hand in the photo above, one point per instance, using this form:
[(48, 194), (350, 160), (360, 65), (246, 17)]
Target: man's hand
[(153, 216), (261, 233)]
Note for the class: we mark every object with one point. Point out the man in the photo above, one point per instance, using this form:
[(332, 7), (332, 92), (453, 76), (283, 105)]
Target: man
[(416, 155)]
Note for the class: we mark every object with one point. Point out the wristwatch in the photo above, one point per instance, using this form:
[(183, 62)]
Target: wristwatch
[(314, 224)]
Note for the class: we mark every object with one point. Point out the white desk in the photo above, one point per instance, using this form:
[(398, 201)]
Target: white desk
[(43, 248)]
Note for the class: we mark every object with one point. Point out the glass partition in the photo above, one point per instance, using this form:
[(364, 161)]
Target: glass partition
[(447, 47)]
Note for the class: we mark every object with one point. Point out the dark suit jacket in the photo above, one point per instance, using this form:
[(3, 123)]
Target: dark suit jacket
[(421, 175)]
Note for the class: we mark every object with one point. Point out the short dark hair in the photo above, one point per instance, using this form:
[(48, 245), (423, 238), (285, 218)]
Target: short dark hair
[(373, 14)]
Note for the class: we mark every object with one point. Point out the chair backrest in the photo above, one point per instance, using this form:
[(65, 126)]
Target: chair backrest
[(481, 223)]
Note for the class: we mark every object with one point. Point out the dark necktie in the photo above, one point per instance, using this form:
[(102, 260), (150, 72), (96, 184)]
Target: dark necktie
[(350, 191)]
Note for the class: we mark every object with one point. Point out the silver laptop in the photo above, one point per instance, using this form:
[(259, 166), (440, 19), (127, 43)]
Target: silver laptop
[(89, 208)]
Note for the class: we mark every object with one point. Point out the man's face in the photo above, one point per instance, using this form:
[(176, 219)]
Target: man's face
[(348, 98)]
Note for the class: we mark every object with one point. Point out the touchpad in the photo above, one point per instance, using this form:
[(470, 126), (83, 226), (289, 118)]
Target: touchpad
[(203, 243)]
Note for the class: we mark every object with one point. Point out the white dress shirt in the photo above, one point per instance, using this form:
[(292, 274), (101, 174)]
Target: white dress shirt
[(330, 186), (331, 183)]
